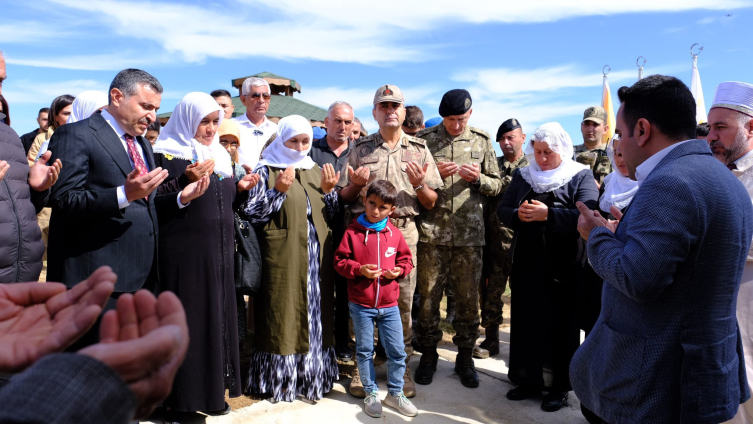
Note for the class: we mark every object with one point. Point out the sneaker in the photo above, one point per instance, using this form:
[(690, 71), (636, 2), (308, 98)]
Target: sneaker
[(372, 406), (401, 404)]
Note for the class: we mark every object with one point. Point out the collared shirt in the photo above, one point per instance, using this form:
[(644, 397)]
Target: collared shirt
[(643, 170), (321, 154), (743, 163), (253, 139), (122, 198)]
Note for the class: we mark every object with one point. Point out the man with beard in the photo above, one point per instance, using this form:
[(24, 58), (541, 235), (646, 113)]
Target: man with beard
[(731, 140), (593, 152)]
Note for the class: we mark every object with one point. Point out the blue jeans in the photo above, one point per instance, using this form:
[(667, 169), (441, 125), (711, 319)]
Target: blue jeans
[(391, 335)]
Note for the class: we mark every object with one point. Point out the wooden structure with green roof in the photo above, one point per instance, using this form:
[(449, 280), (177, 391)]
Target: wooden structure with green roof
[(281, 104)]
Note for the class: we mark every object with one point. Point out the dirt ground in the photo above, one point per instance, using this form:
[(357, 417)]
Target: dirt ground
[(346, 368)]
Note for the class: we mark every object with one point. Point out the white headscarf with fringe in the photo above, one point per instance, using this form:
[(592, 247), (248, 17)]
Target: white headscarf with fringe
[(559, 142)]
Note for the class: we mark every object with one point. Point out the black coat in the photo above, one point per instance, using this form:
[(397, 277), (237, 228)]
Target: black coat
[(21, 246), (87, 228)]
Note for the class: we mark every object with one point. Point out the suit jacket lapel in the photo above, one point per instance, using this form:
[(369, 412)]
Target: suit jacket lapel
[(110, 142)]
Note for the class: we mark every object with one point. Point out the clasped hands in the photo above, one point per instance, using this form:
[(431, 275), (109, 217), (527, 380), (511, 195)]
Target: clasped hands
[(469, 171), (145, 340), (372, 272), (589, 220), (531, 211)]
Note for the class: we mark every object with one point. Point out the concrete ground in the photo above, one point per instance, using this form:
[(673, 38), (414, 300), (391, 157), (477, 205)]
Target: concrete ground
[(444, 401)]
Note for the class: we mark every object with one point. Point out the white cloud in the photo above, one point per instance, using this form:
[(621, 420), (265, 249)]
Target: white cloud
[(297, 30), (27, 91)]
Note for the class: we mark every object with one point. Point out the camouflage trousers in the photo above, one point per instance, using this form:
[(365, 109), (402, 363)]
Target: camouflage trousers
[(408, 284), (497, 268), (460, 268)]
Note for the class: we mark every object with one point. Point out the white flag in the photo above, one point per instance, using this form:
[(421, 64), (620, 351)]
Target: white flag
[(695, 88)]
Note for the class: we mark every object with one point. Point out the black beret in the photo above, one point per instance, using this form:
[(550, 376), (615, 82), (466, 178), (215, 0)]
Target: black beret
[(455, 102), (507, 126)]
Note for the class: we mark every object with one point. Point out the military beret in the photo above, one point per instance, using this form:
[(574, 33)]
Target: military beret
[(455, 102), (507, 126)]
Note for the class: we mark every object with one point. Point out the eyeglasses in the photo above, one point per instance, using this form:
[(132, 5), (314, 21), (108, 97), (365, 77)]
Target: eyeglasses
[(231, 143), (257, 95)]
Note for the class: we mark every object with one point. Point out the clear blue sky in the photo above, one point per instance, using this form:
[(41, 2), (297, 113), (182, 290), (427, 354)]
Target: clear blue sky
[(537, 61)]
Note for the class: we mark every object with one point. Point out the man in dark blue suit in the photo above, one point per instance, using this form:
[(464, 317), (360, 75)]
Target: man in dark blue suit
[(103, 210), (666, 347)]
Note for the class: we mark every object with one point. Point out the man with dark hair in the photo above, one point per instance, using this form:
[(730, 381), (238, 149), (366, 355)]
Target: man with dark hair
[(225, 100), (28, 138), (152, 133), (414, 120), (666, 346), (355, 131), (103, 207), (702, 131)]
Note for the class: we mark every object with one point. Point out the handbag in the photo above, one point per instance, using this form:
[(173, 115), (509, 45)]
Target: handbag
[(247, 258)]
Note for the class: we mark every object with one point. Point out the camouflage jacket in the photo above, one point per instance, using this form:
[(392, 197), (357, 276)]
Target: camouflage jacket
[(457, 218), (385, 164), (596, 159), (496, 232)]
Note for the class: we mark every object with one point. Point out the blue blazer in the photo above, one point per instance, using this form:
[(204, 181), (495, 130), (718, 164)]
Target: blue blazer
[(666, 347)]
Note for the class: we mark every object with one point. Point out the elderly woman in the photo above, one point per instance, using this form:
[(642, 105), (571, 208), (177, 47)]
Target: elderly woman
[(293, 310), (196, 246), (546, 253)]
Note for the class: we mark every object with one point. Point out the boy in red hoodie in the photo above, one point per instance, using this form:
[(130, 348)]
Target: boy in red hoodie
[(372, 254)]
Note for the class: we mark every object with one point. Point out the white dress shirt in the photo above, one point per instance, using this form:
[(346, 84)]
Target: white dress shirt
[(122, 199), (253, 139), (643, 170)]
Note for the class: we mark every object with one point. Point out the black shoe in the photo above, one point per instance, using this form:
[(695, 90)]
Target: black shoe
[(553, 401), (521, 393), (343, 352), (491, 343), (416, 346), (427, 366), (465, 368)]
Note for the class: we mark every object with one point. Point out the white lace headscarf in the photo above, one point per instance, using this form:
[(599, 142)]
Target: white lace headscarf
[(85, 104), (177, 138), (559, 142), (277, 155), (618, 189)]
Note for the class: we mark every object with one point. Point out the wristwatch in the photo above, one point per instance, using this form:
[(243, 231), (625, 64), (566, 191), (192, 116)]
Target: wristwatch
[(418, 188)]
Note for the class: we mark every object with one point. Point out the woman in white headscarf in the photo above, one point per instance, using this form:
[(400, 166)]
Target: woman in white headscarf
[(86, 104), (290, 208), (547, 252), (196, 248)]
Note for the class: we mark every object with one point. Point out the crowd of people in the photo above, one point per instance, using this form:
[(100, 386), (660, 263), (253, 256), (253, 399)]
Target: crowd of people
[(641, 240)]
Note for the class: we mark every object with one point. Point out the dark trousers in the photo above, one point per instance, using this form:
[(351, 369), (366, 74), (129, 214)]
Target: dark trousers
[(342, 313)]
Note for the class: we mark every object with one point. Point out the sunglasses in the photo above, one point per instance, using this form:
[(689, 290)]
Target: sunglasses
[(257, 95)]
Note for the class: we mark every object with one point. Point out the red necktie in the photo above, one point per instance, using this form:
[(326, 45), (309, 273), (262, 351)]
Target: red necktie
[(138, 161)]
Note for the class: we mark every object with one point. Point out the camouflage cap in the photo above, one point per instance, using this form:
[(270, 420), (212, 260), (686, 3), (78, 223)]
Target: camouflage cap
[(388, 93), (596, 114)]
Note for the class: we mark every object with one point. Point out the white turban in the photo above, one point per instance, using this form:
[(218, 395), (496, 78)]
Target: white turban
[(734, 95)]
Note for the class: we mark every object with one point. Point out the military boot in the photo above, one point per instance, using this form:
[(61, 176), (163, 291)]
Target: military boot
[(450, 316), (428, 365), (465, 368), (409, 389), (490, 345), (356, 387)]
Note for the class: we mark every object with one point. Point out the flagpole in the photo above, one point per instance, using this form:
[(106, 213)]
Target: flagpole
[(606, 103), (640, 66), (695, 86)]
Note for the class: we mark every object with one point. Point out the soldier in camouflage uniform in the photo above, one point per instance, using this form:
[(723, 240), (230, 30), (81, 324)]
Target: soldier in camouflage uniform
[(450, 248), (593, 152), (389, 154), (497, 265)]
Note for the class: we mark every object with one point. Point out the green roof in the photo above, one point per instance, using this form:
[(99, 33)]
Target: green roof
[(279, 107)]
